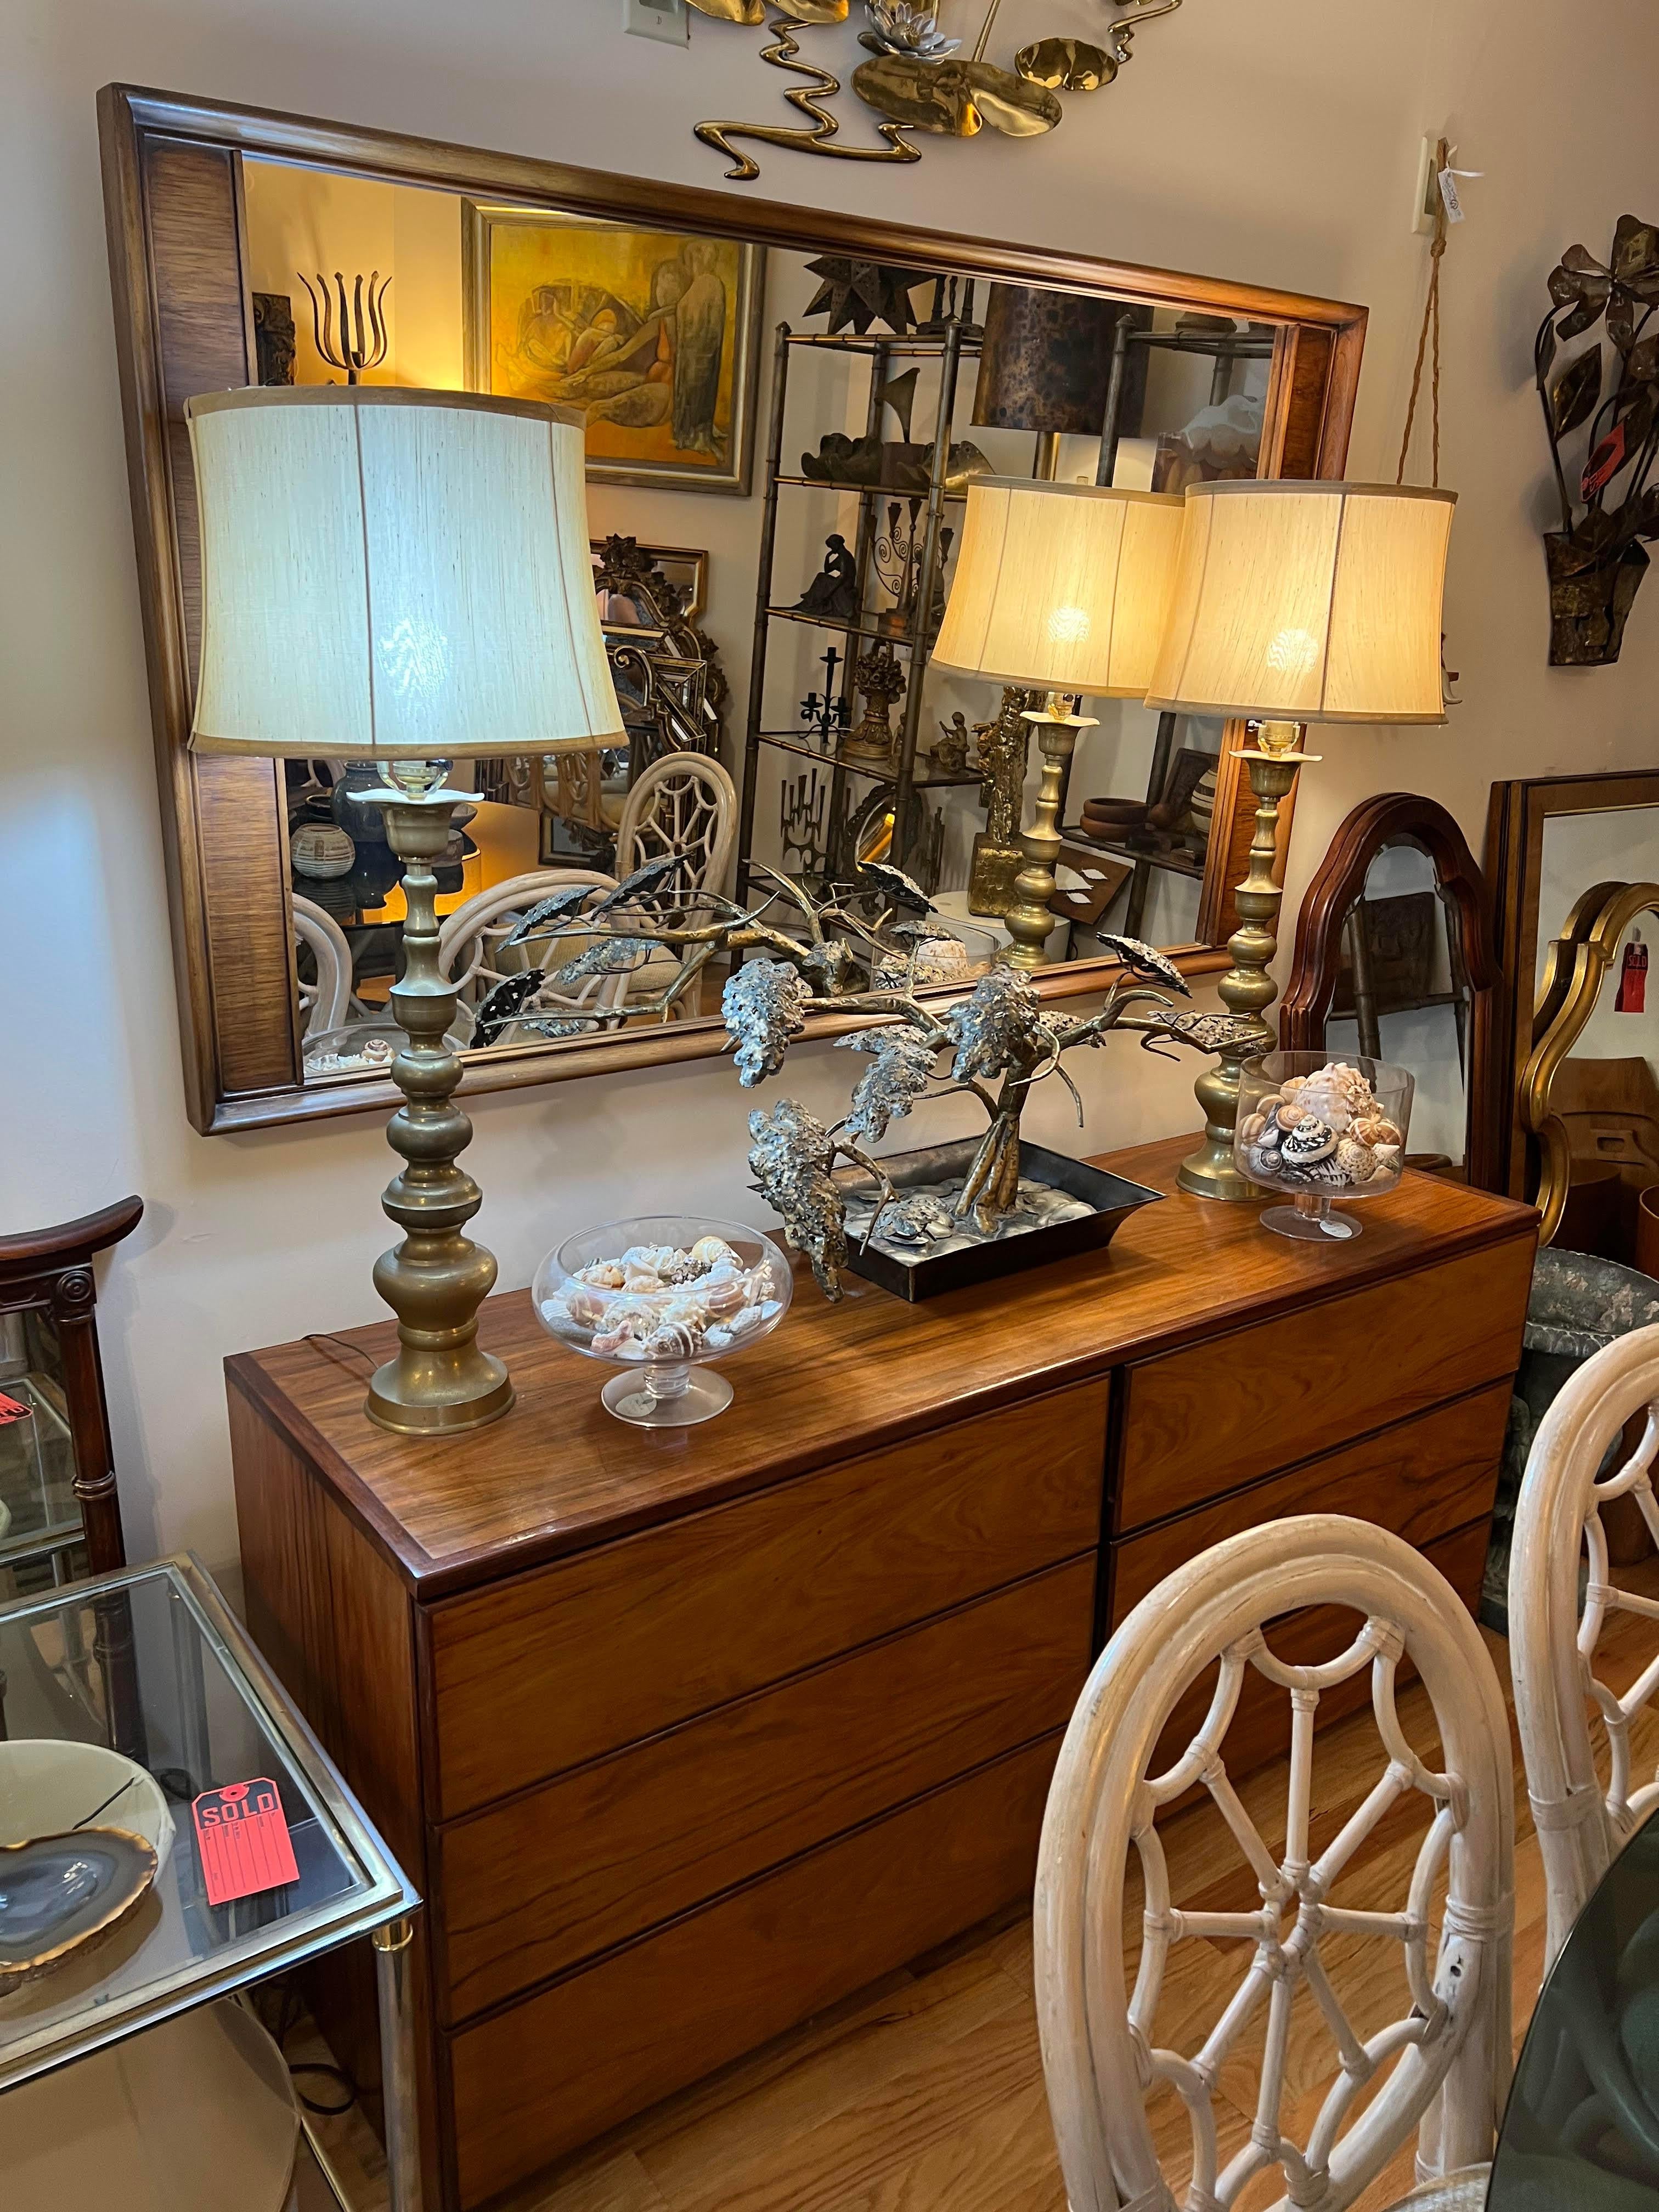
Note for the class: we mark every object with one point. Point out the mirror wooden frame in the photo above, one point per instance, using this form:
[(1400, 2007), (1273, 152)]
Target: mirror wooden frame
[(1394, 817), (177, 226), (1516, 819)]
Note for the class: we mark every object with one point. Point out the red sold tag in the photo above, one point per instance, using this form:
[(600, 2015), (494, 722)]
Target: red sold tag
[(243, 1839), (11, 1410)]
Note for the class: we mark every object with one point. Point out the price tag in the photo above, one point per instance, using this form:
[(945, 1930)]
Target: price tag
[(243, 1839), (1453, 205), (11, 1410)]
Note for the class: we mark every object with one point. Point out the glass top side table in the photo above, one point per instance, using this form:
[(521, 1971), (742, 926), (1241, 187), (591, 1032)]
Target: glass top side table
[(1582, 2129), (150, 1662)]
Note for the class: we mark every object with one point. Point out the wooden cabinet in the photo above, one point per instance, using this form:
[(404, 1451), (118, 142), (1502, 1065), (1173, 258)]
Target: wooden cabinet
[(684, 1737)]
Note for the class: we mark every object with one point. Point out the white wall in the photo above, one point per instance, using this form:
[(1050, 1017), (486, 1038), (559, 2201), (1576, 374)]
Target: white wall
[(1277, 143)]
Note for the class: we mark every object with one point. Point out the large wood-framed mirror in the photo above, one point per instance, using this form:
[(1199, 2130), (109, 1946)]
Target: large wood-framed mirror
[(766, 491)]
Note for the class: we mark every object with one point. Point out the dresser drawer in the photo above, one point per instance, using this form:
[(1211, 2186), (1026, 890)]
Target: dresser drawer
[(1422, 1479), (555, 1667), (1198, 1423), (551, 2072), (570, 1869)]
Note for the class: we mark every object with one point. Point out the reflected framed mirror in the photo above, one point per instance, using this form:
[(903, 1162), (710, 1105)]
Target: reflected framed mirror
[(783, 409), (1571, 858), (1394, 958)]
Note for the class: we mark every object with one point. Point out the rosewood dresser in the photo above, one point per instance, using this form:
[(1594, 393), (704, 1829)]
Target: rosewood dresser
[(684, 1735)]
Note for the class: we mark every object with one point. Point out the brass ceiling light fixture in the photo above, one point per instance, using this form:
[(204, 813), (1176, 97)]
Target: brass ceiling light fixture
[(916, 79)]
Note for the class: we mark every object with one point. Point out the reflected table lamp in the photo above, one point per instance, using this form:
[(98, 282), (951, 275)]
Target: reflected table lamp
[(403, 577), (1065, 589), (1294, 602)]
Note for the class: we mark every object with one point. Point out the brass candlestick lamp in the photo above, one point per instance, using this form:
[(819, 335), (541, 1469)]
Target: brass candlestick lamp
[(403, 577), (1063, 588), (1293, 603)]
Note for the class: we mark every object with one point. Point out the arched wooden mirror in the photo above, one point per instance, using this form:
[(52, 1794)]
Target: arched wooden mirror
[(1393, 958)]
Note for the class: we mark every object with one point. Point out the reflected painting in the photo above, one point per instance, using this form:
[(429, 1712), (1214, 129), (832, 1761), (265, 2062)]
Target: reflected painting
[(650, 333)]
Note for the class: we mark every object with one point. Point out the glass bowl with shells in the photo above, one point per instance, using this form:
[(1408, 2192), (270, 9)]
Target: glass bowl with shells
[(661, 1296), (1321, 1129)]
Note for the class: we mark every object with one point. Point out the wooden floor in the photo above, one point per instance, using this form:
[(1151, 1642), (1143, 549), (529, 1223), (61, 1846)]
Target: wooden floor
[(925, 2093)]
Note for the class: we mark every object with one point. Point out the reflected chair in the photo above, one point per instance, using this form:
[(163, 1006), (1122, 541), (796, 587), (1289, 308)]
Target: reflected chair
[(683, 802), (1584, 1807), (325, 1003), (474, 954), (1442, 2068)]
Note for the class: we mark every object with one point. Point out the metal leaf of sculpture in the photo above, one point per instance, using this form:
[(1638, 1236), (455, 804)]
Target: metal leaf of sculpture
[(1204, 1032), (606, 956), (763, 1006), (956, 98), (894, 884), (750, 12), (790, 1162), (1146, 963), (499, 1007), (554, 907), (1635, 258), (653, 877), (1576, 391), (1065, 65), (999, 1026), (902, 1069)]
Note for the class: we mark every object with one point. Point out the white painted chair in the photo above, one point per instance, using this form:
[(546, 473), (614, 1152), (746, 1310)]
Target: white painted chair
[(683, 802), (327, 1003), (1585, 1809), (473, 953), (1444, 2066)]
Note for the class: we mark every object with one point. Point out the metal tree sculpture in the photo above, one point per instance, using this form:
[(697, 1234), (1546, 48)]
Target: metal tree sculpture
[(998, 1034), (1597, 561)]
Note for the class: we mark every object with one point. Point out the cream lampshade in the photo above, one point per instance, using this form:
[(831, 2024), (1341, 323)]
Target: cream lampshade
[(1065, 588), (1294, 602), (403, 576)]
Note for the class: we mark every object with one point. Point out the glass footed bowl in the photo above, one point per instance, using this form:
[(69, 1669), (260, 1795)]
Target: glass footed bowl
[(1321, 1128), (661, 1295)]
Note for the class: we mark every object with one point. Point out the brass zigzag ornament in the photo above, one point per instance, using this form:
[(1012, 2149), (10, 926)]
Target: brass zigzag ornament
[(916, 81)]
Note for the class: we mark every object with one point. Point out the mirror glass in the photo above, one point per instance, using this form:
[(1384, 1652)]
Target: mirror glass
[(773, 518), (1607, 1091), (1402, 995)]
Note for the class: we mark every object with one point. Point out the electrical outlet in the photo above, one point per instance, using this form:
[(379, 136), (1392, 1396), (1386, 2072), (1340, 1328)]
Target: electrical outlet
[(1428, 191), (657, 19)]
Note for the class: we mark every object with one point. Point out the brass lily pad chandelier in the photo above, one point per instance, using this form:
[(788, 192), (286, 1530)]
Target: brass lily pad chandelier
[(916, 79)]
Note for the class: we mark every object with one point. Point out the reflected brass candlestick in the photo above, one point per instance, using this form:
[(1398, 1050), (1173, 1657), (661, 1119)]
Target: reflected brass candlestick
[(437, 1278), (1029, 921), (1247, 989)]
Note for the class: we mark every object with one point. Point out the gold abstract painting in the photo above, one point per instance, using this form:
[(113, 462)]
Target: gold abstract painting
[(651, 333)]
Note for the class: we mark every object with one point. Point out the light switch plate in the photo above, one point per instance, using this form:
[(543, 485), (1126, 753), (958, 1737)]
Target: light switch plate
[(657, 19)]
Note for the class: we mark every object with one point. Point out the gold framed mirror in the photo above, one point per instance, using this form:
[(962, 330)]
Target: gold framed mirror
[(218, 216)]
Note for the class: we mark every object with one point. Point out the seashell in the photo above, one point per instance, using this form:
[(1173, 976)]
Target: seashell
[(744, 1323), (686, 1308), (607, 1274), (656, 1258), (1387, 1133), (718, 1340), (723, 1293), (710, 1252), (1250, 1129), (1387, 1156), (672, 1341), (584, 1307), (608, 1343), (1263, 1163), (1289, 1114), (643, 1281), (1355, 1160), (631, 1347), (1308, 1142)]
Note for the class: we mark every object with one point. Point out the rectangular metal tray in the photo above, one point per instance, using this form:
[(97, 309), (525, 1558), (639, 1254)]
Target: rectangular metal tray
[(1113, 1199)]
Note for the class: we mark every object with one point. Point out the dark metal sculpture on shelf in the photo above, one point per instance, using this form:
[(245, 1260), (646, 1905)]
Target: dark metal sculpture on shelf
[(997, 1035), (951, 747), (825, 714), (834, 592), (880, 681), (897, 554), (1596, 559), (855, 295), (802, 820), (873, 461), (999, 856), (362, 338)]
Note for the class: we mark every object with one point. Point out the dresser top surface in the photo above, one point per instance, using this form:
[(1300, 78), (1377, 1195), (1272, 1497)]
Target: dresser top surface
[(558, 1473)]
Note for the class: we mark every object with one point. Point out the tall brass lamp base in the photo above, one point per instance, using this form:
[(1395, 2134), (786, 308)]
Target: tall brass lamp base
[(1029, 920), (1247, 989), (435, 1279)]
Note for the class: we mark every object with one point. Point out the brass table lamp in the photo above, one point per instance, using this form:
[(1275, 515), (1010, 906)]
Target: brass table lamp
[(1294, 602), (1063, 588), (403, 577)]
